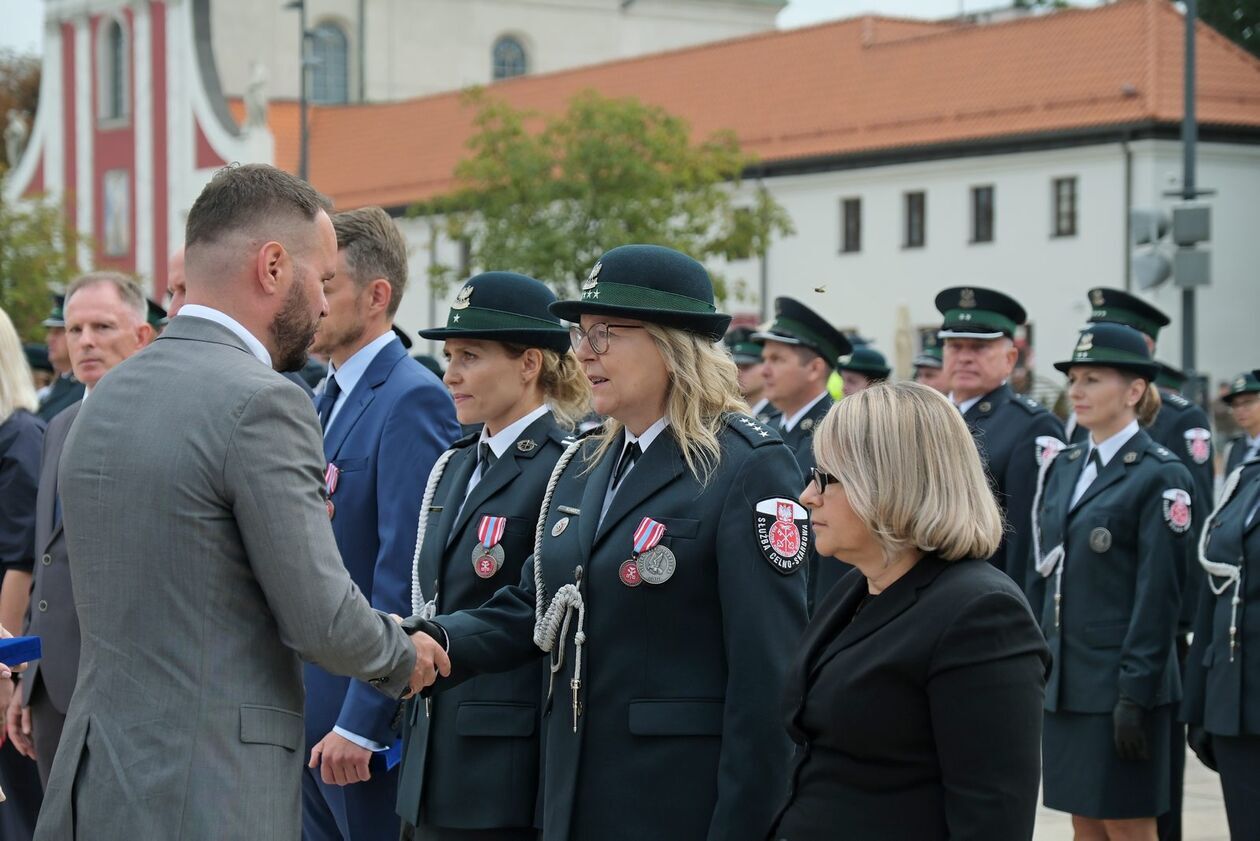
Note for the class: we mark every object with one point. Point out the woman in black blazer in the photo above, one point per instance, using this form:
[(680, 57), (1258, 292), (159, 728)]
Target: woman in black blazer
[(915, 697)]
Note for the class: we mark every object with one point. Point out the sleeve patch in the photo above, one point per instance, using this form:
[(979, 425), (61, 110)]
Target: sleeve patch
[(783, 533), (1047, 447), (1198, 444), (1177, 510)]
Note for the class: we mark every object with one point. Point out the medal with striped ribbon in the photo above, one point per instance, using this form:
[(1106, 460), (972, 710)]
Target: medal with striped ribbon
[(487, 557)]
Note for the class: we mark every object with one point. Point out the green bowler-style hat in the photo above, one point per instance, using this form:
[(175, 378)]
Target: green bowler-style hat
[(1116, 306), (1170, 377), (504, 307), (37, 357), (744, 351), (974, 313), (1247, 382), (1109, 345), (796, 324), (649, 283), (931, 355), (867, 361), (57, 315), (155, 314)]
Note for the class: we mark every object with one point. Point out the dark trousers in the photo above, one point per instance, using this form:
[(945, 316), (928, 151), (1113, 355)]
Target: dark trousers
[(357, 812), (1169, 823), (431, 833), (1238, 758), (20, 780), (47, 723)]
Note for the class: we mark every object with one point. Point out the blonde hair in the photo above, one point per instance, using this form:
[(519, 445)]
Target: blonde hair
[(703, 389), (911, 471), (17, 390), (1148, 404), (565, 387)]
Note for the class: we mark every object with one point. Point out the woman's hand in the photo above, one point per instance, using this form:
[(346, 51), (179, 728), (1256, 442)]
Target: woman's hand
[(1129, 723)]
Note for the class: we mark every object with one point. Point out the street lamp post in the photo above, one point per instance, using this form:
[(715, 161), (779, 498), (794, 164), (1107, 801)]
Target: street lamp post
[(304, 138)]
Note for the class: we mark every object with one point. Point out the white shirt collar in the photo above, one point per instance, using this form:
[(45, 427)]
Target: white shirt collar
[(649, 435), (759, 407), (353, 369), (1107, 449), (506, 437), (224, 320), (789, 424), (966, 405)]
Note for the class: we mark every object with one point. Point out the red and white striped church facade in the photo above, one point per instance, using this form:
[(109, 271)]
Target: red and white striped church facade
[(131, 125)]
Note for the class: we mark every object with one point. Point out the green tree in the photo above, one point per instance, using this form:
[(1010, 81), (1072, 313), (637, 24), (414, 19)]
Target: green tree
[(19, 90), (1237, 20), (37, 247), (547, 195)]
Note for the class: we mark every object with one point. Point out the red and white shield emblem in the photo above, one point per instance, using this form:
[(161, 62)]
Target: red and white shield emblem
[(1177, 510), (1199, 444), (1047, 448), (782, 533)]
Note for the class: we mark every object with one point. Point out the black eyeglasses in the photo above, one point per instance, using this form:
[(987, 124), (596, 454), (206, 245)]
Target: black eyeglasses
[(821, 479), (598, 335)]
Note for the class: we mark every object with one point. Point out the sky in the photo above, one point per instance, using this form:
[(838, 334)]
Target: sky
[(22, 30)]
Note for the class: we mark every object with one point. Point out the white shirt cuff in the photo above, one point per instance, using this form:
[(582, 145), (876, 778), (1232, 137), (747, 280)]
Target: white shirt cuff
[(375, 747)]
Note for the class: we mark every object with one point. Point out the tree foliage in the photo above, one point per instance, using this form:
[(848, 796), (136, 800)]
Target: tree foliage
[(547, 195), (19, 89), (37, 247), (1237, 20)]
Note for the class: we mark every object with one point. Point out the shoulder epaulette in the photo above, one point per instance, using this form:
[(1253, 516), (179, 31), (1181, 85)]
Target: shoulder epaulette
[(751, 430), (1162, 453), (1029, 405), (1172, 398)]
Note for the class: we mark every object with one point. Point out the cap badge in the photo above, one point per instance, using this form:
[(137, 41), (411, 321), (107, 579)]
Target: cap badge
[(1096, 297), (463, 299), (1086, 343), (593, 278), (967, 299), (1240, 383)]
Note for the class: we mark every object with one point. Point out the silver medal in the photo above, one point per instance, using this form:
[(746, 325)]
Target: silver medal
[(656, 565), (559, 527), (1100, 540), (486, 562)]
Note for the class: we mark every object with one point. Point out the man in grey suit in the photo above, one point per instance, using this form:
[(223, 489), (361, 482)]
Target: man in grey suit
[(205, 567), (105, 324)]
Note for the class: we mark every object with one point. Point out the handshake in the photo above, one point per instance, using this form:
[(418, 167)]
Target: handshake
[(430, 643)]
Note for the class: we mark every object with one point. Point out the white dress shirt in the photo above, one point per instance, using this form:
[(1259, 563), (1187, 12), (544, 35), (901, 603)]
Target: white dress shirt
[(501, 441), (352, 370), (223, 319), (788, 424), (644, 441), (1106, 452)]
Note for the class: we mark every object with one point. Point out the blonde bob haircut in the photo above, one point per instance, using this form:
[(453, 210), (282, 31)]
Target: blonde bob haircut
[(17, 391), (703, 389), (911, 471)]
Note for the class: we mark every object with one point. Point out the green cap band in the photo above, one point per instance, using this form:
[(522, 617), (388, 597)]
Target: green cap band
[(642, 297), (478, 318), (977, 320), (1105, 355), (1123, 316)]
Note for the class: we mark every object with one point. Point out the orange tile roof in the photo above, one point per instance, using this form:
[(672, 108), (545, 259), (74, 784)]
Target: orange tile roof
[(854, 86)]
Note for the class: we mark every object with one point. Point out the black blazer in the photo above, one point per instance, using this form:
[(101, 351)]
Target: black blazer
[(921, 718)]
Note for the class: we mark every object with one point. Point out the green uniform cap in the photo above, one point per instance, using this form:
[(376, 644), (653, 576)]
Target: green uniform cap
[(1247, 382), (796, 324), (868, 361), (971, 312), (504, 307), (743, 349), (1116, 306), (1111, 345)]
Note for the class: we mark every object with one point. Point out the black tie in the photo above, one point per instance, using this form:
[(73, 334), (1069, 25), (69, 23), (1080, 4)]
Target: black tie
[(1096, 460), (327, 400), (486, 458), (628, 457)]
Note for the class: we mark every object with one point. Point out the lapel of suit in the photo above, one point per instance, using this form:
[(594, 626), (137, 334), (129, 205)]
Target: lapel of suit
[(361, 397), (885, 607), (1114, 470), (983, 409), (594, 490), (459, 485), (505, 469), (1249, 499), (821, 630), (48, 502), (655, 469)]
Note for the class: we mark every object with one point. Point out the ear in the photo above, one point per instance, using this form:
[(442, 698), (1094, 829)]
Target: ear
[(1012, 355), (380, 293), (1137, 389), (145, 334), (272, 264), (531, 364)]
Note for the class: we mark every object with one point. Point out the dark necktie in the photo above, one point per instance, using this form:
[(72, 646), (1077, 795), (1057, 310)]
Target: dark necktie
[(628, 457), (486, 458), (1096, 460), (327, 400)]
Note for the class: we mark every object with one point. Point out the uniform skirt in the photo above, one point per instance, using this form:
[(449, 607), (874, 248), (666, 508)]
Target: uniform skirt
[(1084, 775)]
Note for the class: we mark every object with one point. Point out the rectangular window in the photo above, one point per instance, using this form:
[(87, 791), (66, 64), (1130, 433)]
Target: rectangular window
[(1064, 207), (850, 225), (982, 214), (916, 219)]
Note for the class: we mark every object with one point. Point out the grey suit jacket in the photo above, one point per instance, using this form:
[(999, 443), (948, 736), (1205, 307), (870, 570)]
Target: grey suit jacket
[(204, 568), (51, 615)]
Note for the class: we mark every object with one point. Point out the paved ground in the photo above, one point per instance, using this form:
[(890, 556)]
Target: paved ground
[(1203, 816)]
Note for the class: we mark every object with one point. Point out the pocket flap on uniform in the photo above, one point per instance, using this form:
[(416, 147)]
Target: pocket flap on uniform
[(348, 465), (676, 717), (271, 726), (520, 525), (675, 527), (1105, 634), (486, 718)]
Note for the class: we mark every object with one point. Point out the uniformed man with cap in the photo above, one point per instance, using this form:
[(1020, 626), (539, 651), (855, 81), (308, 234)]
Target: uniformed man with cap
[(1170, 378), (41, 368), (66, 390), (665, 589), (1181, 426), (799, 351), (862, 368), (929, 366), (1010, 429), (747, 356), (1243, 399)]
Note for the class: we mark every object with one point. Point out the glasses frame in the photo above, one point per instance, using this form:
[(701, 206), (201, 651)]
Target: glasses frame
[(577, 335), (821, 479)]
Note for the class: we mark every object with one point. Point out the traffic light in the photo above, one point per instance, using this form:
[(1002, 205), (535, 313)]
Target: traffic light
[(1150, 265), (1167, 245)]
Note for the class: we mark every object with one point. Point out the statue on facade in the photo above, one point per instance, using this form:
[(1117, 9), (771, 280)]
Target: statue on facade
[(256, 97), (15, 135)]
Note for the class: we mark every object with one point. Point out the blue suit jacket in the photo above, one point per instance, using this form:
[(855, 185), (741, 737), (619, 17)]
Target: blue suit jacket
[(391, 429)]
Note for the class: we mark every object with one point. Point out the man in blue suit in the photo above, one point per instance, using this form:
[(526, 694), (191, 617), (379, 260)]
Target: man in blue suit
[(385, 420)]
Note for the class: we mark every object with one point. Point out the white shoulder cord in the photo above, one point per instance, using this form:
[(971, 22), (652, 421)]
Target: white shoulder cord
[(554, 620), (1053, 561), (1230, 572), (426, 609)]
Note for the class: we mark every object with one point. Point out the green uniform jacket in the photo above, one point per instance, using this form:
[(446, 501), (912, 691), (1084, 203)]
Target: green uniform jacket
[(65, 392), (1124, 544), (679, 736), (486, 729)]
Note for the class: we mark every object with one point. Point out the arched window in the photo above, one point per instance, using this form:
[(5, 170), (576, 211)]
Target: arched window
[(330, 68), (112, 59), (509, 58)]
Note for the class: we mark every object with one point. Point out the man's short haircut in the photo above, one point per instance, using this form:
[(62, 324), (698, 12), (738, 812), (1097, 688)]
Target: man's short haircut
[(807, 355), (241, 197), (128, 290), (374, 247)]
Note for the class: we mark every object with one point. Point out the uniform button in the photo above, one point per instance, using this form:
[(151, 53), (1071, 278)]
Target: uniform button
[(43, 605), (47, 559)]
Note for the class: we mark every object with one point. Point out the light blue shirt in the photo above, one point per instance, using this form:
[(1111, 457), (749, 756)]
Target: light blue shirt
[(223, 319), (349, 374)]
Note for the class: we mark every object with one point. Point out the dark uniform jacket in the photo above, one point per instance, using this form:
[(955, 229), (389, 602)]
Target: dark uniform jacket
[(1006, 426), (51, 615), (65, 391), (677, 738), (1234, 455), (483, 732), (1223, 687), (920, 718), (1124, 543), (822, 573), (21, 440)]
